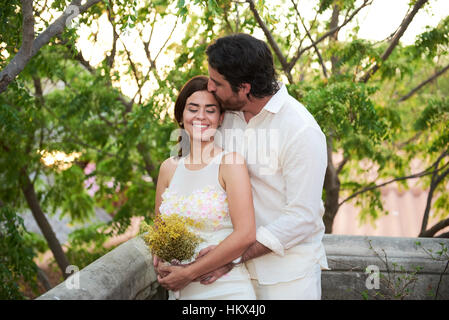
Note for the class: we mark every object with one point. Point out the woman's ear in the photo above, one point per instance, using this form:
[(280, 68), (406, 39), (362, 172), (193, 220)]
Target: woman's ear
[(220, 121)]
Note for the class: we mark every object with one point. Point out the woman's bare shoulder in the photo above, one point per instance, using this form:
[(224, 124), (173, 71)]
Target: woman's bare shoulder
[(170, 162), (168, 166), (233, 158)]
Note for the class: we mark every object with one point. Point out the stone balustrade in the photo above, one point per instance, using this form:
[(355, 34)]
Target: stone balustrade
[(409, 268)]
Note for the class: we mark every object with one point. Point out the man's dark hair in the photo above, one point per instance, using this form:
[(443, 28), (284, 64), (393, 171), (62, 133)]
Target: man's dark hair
[(241, 58)]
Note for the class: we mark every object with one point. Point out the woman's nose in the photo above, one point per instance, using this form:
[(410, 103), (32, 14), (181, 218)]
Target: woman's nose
[(200, 114)]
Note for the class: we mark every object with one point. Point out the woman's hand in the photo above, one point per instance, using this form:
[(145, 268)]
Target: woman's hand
[(157, 264), (176, 277)]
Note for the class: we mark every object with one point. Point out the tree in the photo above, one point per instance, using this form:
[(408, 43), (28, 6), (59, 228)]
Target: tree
[(346, 99), (87, 114)]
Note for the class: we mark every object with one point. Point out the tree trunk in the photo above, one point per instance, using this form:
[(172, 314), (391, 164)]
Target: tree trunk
[(55, 247), (42, 277), (149, 166), (332, 188), (334, 38)]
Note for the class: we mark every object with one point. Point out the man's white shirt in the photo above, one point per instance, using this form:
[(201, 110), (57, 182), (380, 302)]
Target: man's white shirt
[(286, 155)]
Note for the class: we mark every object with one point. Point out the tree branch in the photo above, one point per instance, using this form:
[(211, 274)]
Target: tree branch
[(433, 184), (74, 138), (271, 40), (413, 176), (228, 24), (148, 54), (166, 41), (40, 101), (422, 84), (401, 145), (115, 36), (128, 109), (341, 165), (395, 40), (18, 63), (320, 58), (237, 18), (443, 235), (149, 166), (79, 57), (437, 227), (293, 61), (24, 54)]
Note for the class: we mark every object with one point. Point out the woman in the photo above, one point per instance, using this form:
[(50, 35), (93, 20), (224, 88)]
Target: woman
[(211, 186)]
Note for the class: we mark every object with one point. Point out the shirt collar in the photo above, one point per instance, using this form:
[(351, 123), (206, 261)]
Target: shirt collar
[(277, 100)]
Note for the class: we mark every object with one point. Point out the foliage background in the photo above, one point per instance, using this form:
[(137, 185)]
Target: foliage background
[(379, 101)]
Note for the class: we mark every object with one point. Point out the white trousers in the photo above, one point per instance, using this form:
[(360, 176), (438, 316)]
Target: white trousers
[(306, 288)]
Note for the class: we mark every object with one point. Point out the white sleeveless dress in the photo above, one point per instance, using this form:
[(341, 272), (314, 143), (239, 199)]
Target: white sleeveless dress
[(197, 194)]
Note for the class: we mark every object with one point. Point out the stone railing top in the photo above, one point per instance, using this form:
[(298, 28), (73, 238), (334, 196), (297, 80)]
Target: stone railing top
[(127, 271)]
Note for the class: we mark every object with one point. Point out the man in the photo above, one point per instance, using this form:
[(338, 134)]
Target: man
[(286, 260)]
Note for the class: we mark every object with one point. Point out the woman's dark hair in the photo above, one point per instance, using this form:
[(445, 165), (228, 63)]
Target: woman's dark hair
[(198, 83), (241, 58)]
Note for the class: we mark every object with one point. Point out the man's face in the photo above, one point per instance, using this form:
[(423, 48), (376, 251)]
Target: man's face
[(222, 91)]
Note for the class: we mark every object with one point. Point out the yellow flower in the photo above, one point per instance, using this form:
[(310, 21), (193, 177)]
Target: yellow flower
[(170, 238)]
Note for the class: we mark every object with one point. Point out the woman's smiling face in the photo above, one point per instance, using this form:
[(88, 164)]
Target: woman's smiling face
[(201, 116)]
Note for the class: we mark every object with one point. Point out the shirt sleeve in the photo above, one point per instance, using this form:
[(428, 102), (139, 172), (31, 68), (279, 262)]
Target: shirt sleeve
[(303, 162)]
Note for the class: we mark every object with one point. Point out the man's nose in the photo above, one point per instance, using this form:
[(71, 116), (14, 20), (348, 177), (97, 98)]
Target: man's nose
[(210, 86)]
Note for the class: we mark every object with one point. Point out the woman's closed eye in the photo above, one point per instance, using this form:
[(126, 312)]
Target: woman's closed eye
[(208, 110)]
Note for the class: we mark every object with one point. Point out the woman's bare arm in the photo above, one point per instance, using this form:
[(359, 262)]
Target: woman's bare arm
[(241, 209)]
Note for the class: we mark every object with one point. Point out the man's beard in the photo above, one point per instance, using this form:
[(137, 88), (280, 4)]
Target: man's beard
[(230, 105)]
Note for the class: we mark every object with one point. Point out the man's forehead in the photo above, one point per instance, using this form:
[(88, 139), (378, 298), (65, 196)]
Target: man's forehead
[(215, 75)]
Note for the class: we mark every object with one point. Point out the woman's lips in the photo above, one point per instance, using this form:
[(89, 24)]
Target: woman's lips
[(202, 127)]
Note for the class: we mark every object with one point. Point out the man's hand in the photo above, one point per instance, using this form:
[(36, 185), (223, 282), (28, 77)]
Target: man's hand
[(212, 276)]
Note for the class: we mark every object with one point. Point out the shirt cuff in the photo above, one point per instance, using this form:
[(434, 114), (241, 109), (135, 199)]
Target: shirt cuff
[(265, 237)]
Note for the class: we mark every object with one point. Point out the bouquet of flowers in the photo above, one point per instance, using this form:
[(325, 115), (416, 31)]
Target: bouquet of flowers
[(171, 239)]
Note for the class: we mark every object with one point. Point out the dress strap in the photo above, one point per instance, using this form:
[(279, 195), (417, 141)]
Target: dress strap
[(184, 180)]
